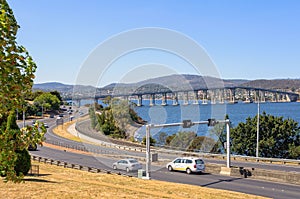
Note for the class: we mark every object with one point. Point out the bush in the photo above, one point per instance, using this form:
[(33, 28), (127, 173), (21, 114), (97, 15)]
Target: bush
[(23, 162)]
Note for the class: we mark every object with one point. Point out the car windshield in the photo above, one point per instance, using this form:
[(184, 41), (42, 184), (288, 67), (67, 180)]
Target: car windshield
[(133, 161), (199, 161)]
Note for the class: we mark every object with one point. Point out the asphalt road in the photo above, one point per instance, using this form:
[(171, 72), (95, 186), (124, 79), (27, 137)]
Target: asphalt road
[(52, 138), (245, 185)]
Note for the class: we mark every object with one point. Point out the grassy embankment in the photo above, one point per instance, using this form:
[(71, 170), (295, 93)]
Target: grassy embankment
[(59, 182)]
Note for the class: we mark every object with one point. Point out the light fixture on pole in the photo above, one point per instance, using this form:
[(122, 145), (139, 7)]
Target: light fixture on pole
[(257, 131)]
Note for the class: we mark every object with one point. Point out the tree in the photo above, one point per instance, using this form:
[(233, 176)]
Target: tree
[(92, 117), (120, 111), (16, 80), (57, 94), (162, 138), (114, 118), (151, 139), (278, 138), (219, 132), (169, 139), (204, 144), (47, 101), (182, 140)]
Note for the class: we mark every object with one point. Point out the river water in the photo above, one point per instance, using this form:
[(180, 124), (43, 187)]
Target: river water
[(237, 113)]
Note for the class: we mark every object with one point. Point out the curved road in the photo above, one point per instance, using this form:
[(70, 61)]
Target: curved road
[(102, 161)]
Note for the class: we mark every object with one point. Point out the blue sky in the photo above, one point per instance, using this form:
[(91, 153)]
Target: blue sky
[(245, 39)]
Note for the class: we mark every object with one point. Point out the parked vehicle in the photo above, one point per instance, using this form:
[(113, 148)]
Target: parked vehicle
[(127, 165), (187, 164)]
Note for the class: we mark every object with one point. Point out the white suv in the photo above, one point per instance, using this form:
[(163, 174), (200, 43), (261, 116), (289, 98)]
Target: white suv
[(187, 164)]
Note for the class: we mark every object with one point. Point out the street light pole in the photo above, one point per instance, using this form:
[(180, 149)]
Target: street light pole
[(228, 143), (148, 163), (257, 131)]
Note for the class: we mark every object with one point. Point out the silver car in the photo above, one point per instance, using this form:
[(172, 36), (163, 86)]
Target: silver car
[(127, 165)]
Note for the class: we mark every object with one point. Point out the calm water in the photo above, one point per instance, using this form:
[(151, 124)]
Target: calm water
[(237, 113)]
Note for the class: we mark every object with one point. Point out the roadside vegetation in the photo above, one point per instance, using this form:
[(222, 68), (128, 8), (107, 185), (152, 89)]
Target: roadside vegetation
[(16, 80), (40, 102), (278, 137), (113, 119)]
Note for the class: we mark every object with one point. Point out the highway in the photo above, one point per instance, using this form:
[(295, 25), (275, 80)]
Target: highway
[(103, 158), (52, 138)]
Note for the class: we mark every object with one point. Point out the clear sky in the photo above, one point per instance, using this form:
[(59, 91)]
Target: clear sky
[(245, 39)]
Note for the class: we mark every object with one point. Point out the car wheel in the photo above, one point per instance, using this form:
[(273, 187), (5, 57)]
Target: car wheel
[(114, 167), (127, 169), (170, 168), (188, 171)]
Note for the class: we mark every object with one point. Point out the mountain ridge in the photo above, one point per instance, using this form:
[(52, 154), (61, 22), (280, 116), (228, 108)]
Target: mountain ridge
[(175, 81)]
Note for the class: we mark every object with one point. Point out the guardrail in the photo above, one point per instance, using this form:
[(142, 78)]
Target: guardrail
[(75, 166)]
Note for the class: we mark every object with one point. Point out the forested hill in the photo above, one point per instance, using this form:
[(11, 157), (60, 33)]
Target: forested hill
[(281, 84)]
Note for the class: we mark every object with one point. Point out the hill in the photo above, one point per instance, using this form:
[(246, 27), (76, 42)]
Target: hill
[(171, 82), (276, 84), (50, 86)]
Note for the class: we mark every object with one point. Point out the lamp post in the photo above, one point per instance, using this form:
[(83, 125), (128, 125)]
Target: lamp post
[(257, 131)]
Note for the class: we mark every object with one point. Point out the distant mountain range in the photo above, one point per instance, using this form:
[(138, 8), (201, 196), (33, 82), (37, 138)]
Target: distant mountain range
[(174, 82)]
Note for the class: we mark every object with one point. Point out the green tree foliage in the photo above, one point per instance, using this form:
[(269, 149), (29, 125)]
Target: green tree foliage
[(152, 141), (162, 138), (108, 126), (182, 140), (23, 162), (219, 132), (169, 139), (57, 94), (204, 144), (114, 119), (278, 138), (92, 115), (16, 80), (120, 111), (47, 101)]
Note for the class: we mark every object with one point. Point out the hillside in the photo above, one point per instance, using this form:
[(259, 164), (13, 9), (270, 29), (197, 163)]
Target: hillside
[(171, 82), (276, 84)]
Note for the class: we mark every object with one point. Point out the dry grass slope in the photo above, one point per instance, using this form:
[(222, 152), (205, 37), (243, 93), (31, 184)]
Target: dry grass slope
[(59, 182)]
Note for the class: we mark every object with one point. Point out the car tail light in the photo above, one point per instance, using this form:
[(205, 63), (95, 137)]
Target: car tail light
[(195, 166)]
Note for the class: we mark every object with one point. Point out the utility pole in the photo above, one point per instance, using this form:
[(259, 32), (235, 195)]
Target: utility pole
[(148, 152), (257, 131), (228, 162)]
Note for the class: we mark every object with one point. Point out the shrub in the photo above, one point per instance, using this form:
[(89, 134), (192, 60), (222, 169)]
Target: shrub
[(23, 162)]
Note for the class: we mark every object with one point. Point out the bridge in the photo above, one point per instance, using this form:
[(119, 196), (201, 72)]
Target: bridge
[(187, 96)]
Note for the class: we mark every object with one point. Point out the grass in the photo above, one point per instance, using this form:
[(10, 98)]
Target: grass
[(59, 182), (62, 131)]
